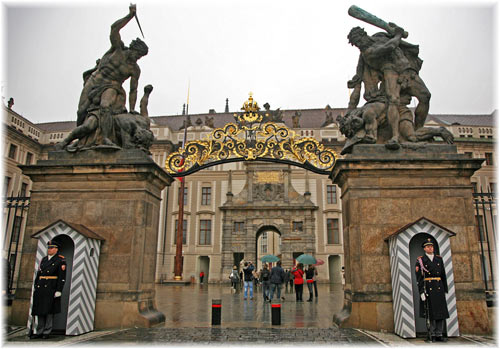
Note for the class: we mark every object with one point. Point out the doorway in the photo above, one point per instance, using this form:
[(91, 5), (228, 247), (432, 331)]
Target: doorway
[(66, 249), (238, 258), (416, 251), (204, 266), (335, 269)]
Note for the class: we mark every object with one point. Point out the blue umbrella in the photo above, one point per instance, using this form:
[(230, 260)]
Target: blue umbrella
[(306, 259), (269, 259)]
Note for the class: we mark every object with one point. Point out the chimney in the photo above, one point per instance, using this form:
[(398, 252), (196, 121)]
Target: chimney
[(211, 111), (184, 109), (226, 110)]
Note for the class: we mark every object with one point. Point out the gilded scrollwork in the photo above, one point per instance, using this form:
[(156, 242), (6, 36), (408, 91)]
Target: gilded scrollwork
[(250, 140)]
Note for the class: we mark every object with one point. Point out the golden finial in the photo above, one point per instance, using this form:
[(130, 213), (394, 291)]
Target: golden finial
[(250, 105)]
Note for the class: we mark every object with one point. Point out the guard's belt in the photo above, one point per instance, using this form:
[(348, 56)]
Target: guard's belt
[(433, 279), (48, 277)]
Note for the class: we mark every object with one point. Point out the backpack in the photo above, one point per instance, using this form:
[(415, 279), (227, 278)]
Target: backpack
[(265, 275), (234, 276)]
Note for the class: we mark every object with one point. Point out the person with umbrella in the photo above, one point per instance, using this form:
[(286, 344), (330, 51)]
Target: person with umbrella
[(311, 273), (298, 273)]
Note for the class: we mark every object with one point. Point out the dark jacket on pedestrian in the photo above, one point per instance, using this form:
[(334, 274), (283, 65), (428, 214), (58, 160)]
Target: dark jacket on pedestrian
[(248, 272), (277, 275), (286, 276), (431, 280), (50, 278), (264, 275)]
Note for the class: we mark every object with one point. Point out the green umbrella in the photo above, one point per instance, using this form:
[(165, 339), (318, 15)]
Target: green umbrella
[(269, 259), (306, 259)]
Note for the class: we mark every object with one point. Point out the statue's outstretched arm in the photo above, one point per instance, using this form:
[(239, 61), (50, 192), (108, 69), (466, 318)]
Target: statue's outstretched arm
[(134, 82), (116, 41)]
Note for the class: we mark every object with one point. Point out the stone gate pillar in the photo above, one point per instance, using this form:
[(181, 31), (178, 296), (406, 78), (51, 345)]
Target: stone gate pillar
[(381, 192), (116, 194)]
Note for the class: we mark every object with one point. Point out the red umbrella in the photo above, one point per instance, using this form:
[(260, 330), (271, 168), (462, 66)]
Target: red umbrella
[(319, 262)]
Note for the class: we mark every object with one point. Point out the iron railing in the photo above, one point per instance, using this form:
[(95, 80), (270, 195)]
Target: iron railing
[(486, 214), (15, 211)]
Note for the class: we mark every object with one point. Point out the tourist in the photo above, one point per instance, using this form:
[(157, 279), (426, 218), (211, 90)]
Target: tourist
[(248, 279), (235, 280), (298, 273), (277, 278), (266, 283), (310, 273)]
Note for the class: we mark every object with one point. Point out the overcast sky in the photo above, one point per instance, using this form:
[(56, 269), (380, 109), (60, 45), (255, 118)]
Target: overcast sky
[(291, 54)]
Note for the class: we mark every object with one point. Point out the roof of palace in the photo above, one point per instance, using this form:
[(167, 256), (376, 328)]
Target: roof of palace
[(310, 119)]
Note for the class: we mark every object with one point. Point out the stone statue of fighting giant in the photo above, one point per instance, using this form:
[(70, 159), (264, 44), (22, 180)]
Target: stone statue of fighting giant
[(388, 68), (102, 119)]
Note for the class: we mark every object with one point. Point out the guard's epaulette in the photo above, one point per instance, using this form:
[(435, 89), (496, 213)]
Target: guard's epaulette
[(61, 256)]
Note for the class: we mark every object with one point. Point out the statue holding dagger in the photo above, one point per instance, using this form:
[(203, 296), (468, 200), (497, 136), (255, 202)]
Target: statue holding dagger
[(103, 96)]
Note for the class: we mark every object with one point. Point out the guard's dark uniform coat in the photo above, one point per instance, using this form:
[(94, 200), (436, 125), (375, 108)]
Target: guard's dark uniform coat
[(50, 278), (434, 280)]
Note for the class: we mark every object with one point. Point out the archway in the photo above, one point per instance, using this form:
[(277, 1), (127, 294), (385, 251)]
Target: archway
[(267, 241)]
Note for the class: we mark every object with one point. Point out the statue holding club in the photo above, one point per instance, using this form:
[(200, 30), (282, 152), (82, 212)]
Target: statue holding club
[(388, 67)]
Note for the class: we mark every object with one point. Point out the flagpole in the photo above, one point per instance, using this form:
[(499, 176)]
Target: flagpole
[(180, 218)]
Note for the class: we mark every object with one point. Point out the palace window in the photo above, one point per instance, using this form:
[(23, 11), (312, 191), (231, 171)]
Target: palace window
[(205, 231), (298, 226), (24, 189), (184, 232), (6, 185), (331, 194), (489, 158), (12, 151), (239, 226), (263, 243), (332, 231), (29, 158), (206, 193)]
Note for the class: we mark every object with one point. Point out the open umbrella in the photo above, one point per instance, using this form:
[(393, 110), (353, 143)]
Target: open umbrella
[(306, 259), (318, 262), (269, 259)]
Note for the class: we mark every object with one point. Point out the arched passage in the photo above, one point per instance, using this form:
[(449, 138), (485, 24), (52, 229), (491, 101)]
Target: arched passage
[(267, 241)]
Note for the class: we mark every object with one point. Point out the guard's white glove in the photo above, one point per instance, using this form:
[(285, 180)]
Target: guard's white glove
[(422, 297), (57, 294)]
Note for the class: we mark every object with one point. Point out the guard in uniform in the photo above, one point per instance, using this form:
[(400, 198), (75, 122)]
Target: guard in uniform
[(432, 286), (49, 283)]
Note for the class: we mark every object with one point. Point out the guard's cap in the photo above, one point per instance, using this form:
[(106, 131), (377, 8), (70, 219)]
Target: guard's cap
[(427, 242), (52, 243)]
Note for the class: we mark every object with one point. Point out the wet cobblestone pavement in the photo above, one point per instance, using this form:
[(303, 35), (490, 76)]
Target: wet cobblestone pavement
[(188, 321)]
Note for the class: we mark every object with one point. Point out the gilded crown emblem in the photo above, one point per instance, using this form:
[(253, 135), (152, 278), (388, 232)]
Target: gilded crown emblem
[(251, 109)]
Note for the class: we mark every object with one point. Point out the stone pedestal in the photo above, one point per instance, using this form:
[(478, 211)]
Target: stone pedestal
[(383, 191), (117, 195)]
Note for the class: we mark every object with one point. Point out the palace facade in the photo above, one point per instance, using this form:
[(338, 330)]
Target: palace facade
[(243, 210)]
